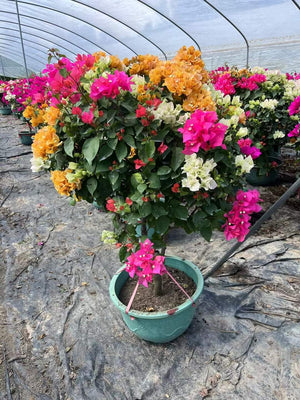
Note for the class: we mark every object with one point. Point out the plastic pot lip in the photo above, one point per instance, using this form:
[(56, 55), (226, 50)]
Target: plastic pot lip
[(158, 314)]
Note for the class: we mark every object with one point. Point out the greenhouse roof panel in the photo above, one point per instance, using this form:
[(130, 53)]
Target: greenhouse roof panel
[(238, 32)]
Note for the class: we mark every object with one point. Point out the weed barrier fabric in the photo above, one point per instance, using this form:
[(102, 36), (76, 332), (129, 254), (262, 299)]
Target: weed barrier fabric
[(62, 337)]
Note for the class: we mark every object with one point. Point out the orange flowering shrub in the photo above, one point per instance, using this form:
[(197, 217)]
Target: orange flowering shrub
[(142, 64), (184, 76), (51, 115), (61, 183), (45, 142)]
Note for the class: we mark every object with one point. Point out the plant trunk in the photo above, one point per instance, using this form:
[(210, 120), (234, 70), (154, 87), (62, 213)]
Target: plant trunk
[(157, 280), (158, 286)]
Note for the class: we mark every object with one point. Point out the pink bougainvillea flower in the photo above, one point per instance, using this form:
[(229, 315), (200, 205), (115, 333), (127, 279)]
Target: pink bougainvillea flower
[(129, 201), (141, 111), (251, 82), (87, 117), (247, 149), (154, 103), (139, 164), (225, 83), (295, 132), (75, 98), (76, 111), (294, 108), (145, 264), (202, 131), (110, 205), (162, 148), (175, 188), (238, 218), (110, 86)]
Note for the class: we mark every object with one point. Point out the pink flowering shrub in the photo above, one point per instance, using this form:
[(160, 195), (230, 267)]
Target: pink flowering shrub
[(238, 218), (294, 108), (144, 263), (202, 131)]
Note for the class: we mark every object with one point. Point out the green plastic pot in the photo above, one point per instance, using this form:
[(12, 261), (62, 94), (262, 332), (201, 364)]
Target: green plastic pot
[(264, 180), (26, 138), (162, 326), (5, 110)]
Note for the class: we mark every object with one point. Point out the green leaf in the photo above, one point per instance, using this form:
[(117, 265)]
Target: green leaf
[(121, 151), (162, 224), (60, 159), (103, 166), (105, 152), (90, 148), (164, 170), (150, 149), (136, 179), (69, 147), (113, 177), (154, 182), (145, 210), (177, 158), (63, 72), (211, 209), (219, 155), (138, 129), (198, 218), (112, 143), (110, 114), (123, 253), (180, 212), (129, 140), (142, 187), (92, 185), (158, 210), (130, 119), (206, 232)]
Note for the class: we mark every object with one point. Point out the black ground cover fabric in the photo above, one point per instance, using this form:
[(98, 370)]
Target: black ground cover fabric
[(62, 338)]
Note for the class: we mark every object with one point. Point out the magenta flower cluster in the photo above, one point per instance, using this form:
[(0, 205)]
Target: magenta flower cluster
[(238, 218), (294, 108), (251, 82), (111, 85), (225, 83), (247, 149), (229, 84), (144, 263), (202, 131), (66, 85), (295, 132)]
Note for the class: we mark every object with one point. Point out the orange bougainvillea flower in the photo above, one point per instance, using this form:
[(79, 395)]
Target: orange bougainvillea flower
[(45, 142), (52, 114), (116, 63), (201, 99), (142, 64), (61, 183), (28, 113)]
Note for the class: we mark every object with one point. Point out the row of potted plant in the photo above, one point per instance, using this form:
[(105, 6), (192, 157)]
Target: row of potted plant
[(156, 146), (266, 96)]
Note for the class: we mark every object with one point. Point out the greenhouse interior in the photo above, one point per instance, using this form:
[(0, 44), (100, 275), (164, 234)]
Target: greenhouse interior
[(150, 200)]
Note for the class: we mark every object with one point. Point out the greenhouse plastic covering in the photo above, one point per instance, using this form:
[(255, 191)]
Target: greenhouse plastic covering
[(237, 32)]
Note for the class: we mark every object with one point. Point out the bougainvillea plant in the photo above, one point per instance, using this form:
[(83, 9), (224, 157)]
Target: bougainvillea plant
[(150, 143), (265, 96)]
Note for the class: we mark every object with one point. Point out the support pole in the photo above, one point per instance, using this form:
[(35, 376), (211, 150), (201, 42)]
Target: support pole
[(22, 42), (2, 66), (257, 225)]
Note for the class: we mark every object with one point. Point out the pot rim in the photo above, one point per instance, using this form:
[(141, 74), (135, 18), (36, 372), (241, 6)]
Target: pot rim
[(158, 314)]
